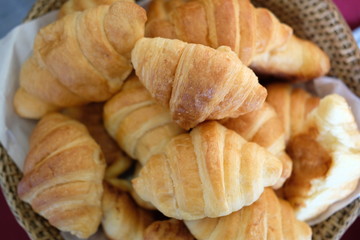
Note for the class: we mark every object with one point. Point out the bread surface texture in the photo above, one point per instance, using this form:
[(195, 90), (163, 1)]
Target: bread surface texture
[(268, 218), (63, 175), (209, 172), (326, 156), (83, 57), (195, 82)]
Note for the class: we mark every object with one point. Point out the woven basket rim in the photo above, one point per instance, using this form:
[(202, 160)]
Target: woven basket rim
[(39, 228)]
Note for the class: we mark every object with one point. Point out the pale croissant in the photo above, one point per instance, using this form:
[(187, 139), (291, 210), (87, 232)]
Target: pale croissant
[(91, 116), (209, 172), (326, 157), (63, 175), (196, 82), (122, 218), (255, 34), (172, 229), (292, 106), (268, 218), (140, 126), (83, 57), (264, 127), (72, 6)]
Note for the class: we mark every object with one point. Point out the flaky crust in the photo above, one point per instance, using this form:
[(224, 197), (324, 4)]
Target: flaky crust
[(140, 126), (72, 6), (292, 105), (326, 158), (122, 218), (195, 82), (82, 57), (91, 116), (210, 172), (63, 175), (264, 127), (172, 229), (267, 218), (255, 34)]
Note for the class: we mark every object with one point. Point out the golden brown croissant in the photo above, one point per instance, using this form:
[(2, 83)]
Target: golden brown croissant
[(326, 156), (123, 219), (63, 175), (196, 82), (83, 57), (91, 116), (268, 218), (292, 106), (264, 127), (72, 6), (141, 126), (210, 172), (172, 229), (255, 34)]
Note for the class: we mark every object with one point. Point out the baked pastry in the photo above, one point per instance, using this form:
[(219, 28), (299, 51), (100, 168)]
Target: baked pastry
[(171, 229), (292, 106), (83, 57), (124, 184), (72, 6), (63, 175), (209, 172), (196, 82), (268, 218), (122, 218), (140, 126), (91, 116), (326, 157), (254, 34), (264, 127)]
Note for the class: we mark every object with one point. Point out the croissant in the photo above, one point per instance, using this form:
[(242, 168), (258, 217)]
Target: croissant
[(268, 218), (209, 172), (195, 82), (140, 126), (254, 34), (264, 127), (63, 175), (83, 57), (72, 6), (91, 116), (292, 106), (122, 218), (326, 157), (172, 229)]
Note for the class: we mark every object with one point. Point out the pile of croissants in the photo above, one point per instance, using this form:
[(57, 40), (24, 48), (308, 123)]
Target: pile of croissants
[(219, 156)]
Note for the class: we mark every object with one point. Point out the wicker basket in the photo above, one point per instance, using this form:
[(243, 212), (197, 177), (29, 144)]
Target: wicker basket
[(317, 20)]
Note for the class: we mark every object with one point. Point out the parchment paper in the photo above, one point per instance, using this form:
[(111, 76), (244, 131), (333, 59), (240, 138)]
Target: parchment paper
[(16, 47)]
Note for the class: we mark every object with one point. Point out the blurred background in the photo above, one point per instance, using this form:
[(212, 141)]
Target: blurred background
[(13, 12)]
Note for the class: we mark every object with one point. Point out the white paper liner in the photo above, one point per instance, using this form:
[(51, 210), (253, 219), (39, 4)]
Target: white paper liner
[(16, 47)]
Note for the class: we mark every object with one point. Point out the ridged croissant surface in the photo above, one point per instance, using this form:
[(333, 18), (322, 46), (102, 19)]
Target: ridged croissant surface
[(210, 172), (91, 116), (264, 127), (326, 156), (292, 106), (72, 6), (83, 57), (63, 175), (255, 34), (140, 126), (122, 218), (196, 82), (172, 229), (268, 218)]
